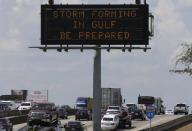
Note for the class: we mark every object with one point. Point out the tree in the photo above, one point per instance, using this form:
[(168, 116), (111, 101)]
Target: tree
[(185, 59)]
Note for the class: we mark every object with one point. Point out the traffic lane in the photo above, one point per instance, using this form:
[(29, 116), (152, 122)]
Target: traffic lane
[(140, 124), (62, 122), (157, 120), (20, 127), (23, 127)]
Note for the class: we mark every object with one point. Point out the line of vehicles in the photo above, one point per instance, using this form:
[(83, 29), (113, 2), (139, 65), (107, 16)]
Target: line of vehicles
[(113, 113)]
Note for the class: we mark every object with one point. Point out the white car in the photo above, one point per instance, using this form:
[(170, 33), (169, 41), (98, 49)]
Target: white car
[(25, 106), (114, 110), (109, 122)]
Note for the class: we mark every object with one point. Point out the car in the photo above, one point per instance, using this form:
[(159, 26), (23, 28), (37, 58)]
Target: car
[(131, 107), (10, 104), (74, 126), (168, 112), (43, 114), (110, 122), (181, 108), (114, 110), (25, 106), (62, 113), (6, 124), (83, 114), (4, 107), (138, 114)]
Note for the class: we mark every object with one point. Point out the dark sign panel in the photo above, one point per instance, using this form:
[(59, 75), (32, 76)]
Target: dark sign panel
[(94, 24)]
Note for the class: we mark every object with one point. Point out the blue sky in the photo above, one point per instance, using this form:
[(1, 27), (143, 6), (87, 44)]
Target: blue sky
[(68, 75)]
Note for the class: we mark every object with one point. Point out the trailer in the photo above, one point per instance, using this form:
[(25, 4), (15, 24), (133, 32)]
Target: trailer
[(157, 102), (111, 97)]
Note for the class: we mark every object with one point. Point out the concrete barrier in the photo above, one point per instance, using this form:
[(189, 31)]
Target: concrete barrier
[(21, 117), (172, 125), (18, 119), (10, 113)]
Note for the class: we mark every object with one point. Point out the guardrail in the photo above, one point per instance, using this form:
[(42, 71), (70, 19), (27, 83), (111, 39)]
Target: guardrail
[(172, 125)]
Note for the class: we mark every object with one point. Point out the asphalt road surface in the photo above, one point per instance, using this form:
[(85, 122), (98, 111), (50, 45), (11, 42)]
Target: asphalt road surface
[(136, 124)]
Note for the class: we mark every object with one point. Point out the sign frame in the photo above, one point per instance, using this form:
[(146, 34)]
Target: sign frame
[(45, 30)]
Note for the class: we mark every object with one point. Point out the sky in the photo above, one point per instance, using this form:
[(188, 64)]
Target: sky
[(67, 75)]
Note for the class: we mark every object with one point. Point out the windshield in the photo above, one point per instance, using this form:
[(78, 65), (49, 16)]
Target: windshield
[(107, 119), (42, 107), (25, 104), (74, 123), (114, 108), (181, 105)]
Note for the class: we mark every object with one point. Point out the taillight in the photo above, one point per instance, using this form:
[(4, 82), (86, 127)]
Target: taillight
[(3, 124), (68, 126), (112, 123), (102, 123)]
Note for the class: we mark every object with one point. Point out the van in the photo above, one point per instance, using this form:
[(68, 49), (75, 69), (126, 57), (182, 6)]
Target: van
[(11, 104)]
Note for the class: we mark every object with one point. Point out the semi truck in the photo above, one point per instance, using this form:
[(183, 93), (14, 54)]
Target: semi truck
[(111, 97), (157, 102), (84, 103)]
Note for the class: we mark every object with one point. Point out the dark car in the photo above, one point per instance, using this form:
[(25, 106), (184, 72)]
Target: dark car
[(6, 124), (74, 126), (83, 114), (62, 113), (138, 114), (4, 107)]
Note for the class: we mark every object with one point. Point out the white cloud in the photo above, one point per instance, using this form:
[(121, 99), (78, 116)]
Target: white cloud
[(185, 4), (9, 44)]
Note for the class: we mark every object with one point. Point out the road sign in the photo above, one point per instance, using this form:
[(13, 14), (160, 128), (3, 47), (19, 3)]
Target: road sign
[(150, 111), (95, 24)]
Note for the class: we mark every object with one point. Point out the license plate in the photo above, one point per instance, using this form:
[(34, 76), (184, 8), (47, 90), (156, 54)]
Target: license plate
[(136, 113), (73, 129)]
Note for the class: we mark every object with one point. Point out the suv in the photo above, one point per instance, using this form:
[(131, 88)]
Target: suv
[(42, 114), (25, 106), (83, 114), (181, 108)]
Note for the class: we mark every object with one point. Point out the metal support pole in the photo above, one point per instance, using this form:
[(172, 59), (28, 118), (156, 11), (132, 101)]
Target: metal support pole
[(97, 91)]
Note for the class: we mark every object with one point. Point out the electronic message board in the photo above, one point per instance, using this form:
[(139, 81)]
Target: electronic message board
[(94, 24)]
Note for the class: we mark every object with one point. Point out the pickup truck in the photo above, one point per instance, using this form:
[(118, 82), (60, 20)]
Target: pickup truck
[(43, 114)]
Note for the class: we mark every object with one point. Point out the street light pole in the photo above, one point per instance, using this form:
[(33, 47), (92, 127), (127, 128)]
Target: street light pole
[(97, 91)]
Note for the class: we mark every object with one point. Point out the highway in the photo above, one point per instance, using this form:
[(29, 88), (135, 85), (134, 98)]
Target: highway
[(136, 124)]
